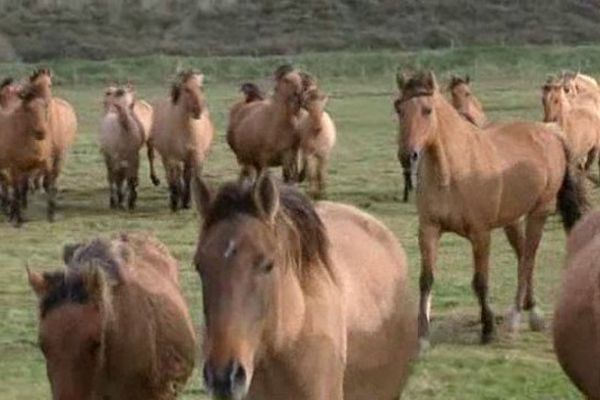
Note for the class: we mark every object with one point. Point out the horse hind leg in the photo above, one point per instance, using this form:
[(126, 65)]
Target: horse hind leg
[(51, 192), (174, 177), (15, 204), (481, 258), (525, 298), (188, 170), (24, 191)]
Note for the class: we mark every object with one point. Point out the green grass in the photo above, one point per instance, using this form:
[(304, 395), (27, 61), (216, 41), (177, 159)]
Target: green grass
[(364, 172)]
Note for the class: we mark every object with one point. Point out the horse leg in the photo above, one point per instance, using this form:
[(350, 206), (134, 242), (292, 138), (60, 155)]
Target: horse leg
[(24, 190), (50, 189), (429, 237), (174, 178), (110, 178), (321, 171), (187, 181), (525, 298), (15, 203), (119, 181), (289, 165), (516, 238), (133, 181), (481, 258), (407, 183), (153, 177)]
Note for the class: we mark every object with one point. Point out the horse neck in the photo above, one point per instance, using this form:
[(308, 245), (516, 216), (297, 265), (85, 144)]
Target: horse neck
[(453, 140), (281, 109), (316, 118), (183, 117), (563, 112)]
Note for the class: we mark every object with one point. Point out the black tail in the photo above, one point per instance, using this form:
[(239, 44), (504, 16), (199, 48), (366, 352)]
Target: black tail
[(572, 200)]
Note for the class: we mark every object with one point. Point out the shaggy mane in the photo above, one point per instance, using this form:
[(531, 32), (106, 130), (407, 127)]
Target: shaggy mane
[(39, 72), (6, 82), (181, 78), (236, 198), (416, 86)]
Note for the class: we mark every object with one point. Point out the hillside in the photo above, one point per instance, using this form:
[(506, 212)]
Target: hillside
[(32, 30)]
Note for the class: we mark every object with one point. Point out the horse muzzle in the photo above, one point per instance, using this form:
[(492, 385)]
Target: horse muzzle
[(226, 383)]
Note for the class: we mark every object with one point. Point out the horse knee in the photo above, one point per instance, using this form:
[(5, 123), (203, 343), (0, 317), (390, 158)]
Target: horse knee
[(426, 281)]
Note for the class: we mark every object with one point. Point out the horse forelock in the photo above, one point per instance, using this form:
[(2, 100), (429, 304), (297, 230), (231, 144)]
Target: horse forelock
[(297, 227), (39, 72)]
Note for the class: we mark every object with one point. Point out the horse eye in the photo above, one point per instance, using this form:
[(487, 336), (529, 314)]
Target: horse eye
[(266, 266), (426, 111), (467, 94)]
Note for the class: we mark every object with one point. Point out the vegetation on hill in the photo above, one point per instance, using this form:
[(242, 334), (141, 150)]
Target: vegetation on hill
[(33, 30)]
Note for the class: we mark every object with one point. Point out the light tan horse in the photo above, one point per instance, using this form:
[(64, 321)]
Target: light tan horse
[(582, 90), (318, 135), (142, 109), (301, 302), (25, 146), (113, 324), (62, 123), (471, 183), (465, 102), (263, 133), (121, 139), (581, 125), (182, 133), (577, 314)]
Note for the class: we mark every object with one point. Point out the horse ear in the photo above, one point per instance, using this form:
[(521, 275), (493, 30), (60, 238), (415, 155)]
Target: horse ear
[(467, 79), (37, 282), (266, 197), (69, 251), (202, 196), (430, 81), (200, 78)]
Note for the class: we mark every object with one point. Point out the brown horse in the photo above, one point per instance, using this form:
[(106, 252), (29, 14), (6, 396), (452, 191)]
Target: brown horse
[(62, 123), (471, 183), (577, 314), (121, 138), (465, 102), (318, 134), (581, 125), (25, 145), (114, 324), (182, 133), (301, 302), (263, 133)]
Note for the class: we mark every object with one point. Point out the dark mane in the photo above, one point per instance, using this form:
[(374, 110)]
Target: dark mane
[(282, 71), (181, 78), (252, 92), (235, 198), (457, 80), (6, 82), (68, 286), (64, 288), (39, 72), (416, 86)]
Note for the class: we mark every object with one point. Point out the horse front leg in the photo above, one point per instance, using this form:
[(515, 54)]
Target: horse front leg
[(481, 259), (525, 298), (429, 238), (51, 191), (188, 170), (516, 238)]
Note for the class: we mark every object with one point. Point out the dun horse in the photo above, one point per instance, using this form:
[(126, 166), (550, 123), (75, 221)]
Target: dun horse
[(263, 133), (465, 102), (317, 138), (301, 302), (471, 183), (182, 133), (121, 138), (62, 129), (576, 318), (114, 324), (25, 146)]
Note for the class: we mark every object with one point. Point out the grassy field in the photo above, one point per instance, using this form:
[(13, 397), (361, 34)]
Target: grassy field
[(364, 172)]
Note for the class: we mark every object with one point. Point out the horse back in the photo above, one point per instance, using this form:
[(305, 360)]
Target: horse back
[(63, 122)]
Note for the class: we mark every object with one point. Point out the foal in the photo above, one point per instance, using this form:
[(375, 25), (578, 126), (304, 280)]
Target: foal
[(471, 183)]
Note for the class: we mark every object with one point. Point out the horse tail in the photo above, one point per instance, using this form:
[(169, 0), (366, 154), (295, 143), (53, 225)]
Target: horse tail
[(153, 177), (571, 198)]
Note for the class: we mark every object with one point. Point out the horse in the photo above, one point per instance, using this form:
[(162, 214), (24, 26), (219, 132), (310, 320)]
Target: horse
[(114, 323), (121, 138), (142, 109), (576, 324), (301, 302), (262, 133), (318, 135), (25, 146), (182, 133), (62, 123), (471, 182), (581, 125), (465, 101)]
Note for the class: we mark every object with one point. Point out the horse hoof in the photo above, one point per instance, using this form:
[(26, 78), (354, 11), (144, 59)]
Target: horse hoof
[(155, 180), (536, 320), (513, 321)]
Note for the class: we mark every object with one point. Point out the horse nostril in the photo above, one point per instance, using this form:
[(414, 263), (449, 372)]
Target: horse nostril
[(224, 382), (414, 156), (238, 375)]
